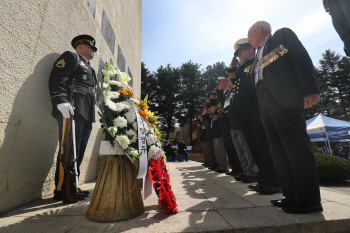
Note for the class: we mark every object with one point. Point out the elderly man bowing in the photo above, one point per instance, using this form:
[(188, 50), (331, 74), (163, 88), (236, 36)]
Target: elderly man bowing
[(285, 81)]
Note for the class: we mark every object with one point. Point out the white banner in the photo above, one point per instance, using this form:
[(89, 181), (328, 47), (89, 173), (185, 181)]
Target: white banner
[(143, 160)]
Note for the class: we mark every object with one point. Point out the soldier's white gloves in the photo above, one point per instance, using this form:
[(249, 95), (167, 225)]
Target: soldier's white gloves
[(65, 108)]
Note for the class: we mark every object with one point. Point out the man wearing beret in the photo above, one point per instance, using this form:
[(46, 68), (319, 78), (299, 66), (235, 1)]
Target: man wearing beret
[(67, 67), (285, 81)]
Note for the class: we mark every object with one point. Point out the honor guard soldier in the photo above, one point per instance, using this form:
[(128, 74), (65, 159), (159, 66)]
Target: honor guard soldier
[(68, 67)]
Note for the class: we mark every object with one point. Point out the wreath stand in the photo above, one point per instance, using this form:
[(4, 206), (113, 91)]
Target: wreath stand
[(117, 194)]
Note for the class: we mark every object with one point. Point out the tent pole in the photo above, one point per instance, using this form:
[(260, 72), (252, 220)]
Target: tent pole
[(329, 145)]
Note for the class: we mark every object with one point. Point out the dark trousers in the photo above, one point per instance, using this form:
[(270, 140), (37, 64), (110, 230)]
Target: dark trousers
[(82, 133), (212, 151), (291, 148), (255, 136), (231, 150)]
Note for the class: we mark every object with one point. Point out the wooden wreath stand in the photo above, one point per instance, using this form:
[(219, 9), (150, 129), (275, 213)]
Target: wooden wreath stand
[(117, 194)]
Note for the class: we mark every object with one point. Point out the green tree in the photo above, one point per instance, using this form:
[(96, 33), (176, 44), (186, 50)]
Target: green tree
[(148, 85), (166, 97), (335, 84), (192, 92), (210, 75)]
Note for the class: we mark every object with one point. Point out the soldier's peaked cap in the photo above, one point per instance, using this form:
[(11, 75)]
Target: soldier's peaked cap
[(241, 44), (84, 39)]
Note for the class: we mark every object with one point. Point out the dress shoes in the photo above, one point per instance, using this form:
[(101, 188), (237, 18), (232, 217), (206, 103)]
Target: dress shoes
[(252, 186), (283, 202), (236, 173), (220, 171), (58, 195), (249, 179), (303, 208), (267, 190), (81, 196), (239, 178), (86, 192)]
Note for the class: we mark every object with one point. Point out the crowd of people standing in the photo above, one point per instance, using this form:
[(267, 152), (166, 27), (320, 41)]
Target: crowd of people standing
[(254, 120)]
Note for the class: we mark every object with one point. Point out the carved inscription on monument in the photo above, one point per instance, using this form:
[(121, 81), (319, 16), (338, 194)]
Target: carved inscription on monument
[(101, 65), (121, 60), (91, 4), (107, 31), (130, 74)]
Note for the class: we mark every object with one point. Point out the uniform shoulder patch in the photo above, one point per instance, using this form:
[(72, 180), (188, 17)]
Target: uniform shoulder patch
[(61, 63)]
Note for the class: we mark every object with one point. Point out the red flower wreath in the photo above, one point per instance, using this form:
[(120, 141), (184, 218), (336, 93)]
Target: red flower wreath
[(160, 178)]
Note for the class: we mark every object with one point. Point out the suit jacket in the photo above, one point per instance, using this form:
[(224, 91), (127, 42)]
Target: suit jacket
[(231, 115), (289, 73), (209, 130), (215, 125), (61, 78), (244, 96)]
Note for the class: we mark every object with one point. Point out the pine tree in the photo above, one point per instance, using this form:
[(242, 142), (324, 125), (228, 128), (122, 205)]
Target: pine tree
[(166, 97), (335, 84)]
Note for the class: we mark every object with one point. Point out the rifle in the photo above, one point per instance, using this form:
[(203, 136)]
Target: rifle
[(69, 152)]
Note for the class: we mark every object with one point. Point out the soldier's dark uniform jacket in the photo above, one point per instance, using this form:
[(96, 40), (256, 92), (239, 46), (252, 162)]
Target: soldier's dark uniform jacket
[(215, 125), (222, 119), (209, 131), (231, 114), (203, 130), (60, 82), (243, 94)]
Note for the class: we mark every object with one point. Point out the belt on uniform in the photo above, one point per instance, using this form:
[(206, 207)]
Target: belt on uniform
[(79, 85)]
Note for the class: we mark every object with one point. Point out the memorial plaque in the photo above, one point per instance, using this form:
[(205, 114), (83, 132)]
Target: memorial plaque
[(130, 74), (121, 60), (91, 4), (107, 32), (101, 65)]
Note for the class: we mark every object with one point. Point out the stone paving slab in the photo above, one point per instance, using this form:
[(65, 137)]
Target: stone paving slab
[(207, 202)]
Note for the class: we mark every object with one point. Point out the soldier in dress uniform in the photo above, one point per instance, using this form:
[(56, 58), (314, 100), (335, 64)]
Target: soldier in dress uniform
[(67, 67), (207, 117), (224, 126), (245, 106), (218, 142)]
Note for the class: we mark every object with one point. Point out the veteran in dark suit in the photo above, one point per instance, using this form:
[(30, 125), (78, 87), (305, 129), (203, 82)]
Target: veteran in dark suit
[(285, 81), (224, 126), (245, 106), (67, 67)]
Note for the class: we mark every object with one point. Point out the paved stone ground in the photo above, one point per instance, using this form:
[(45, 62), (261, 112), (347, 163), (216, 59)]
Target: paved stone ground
[(207, 202)]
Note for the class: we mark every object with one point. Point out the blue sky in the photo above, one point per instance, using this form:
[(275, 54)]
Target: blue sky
[(205, 31)]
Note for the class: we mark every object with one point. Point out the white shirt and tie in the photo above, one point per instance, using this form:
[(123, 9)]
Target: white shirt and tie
[(258, 70)]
